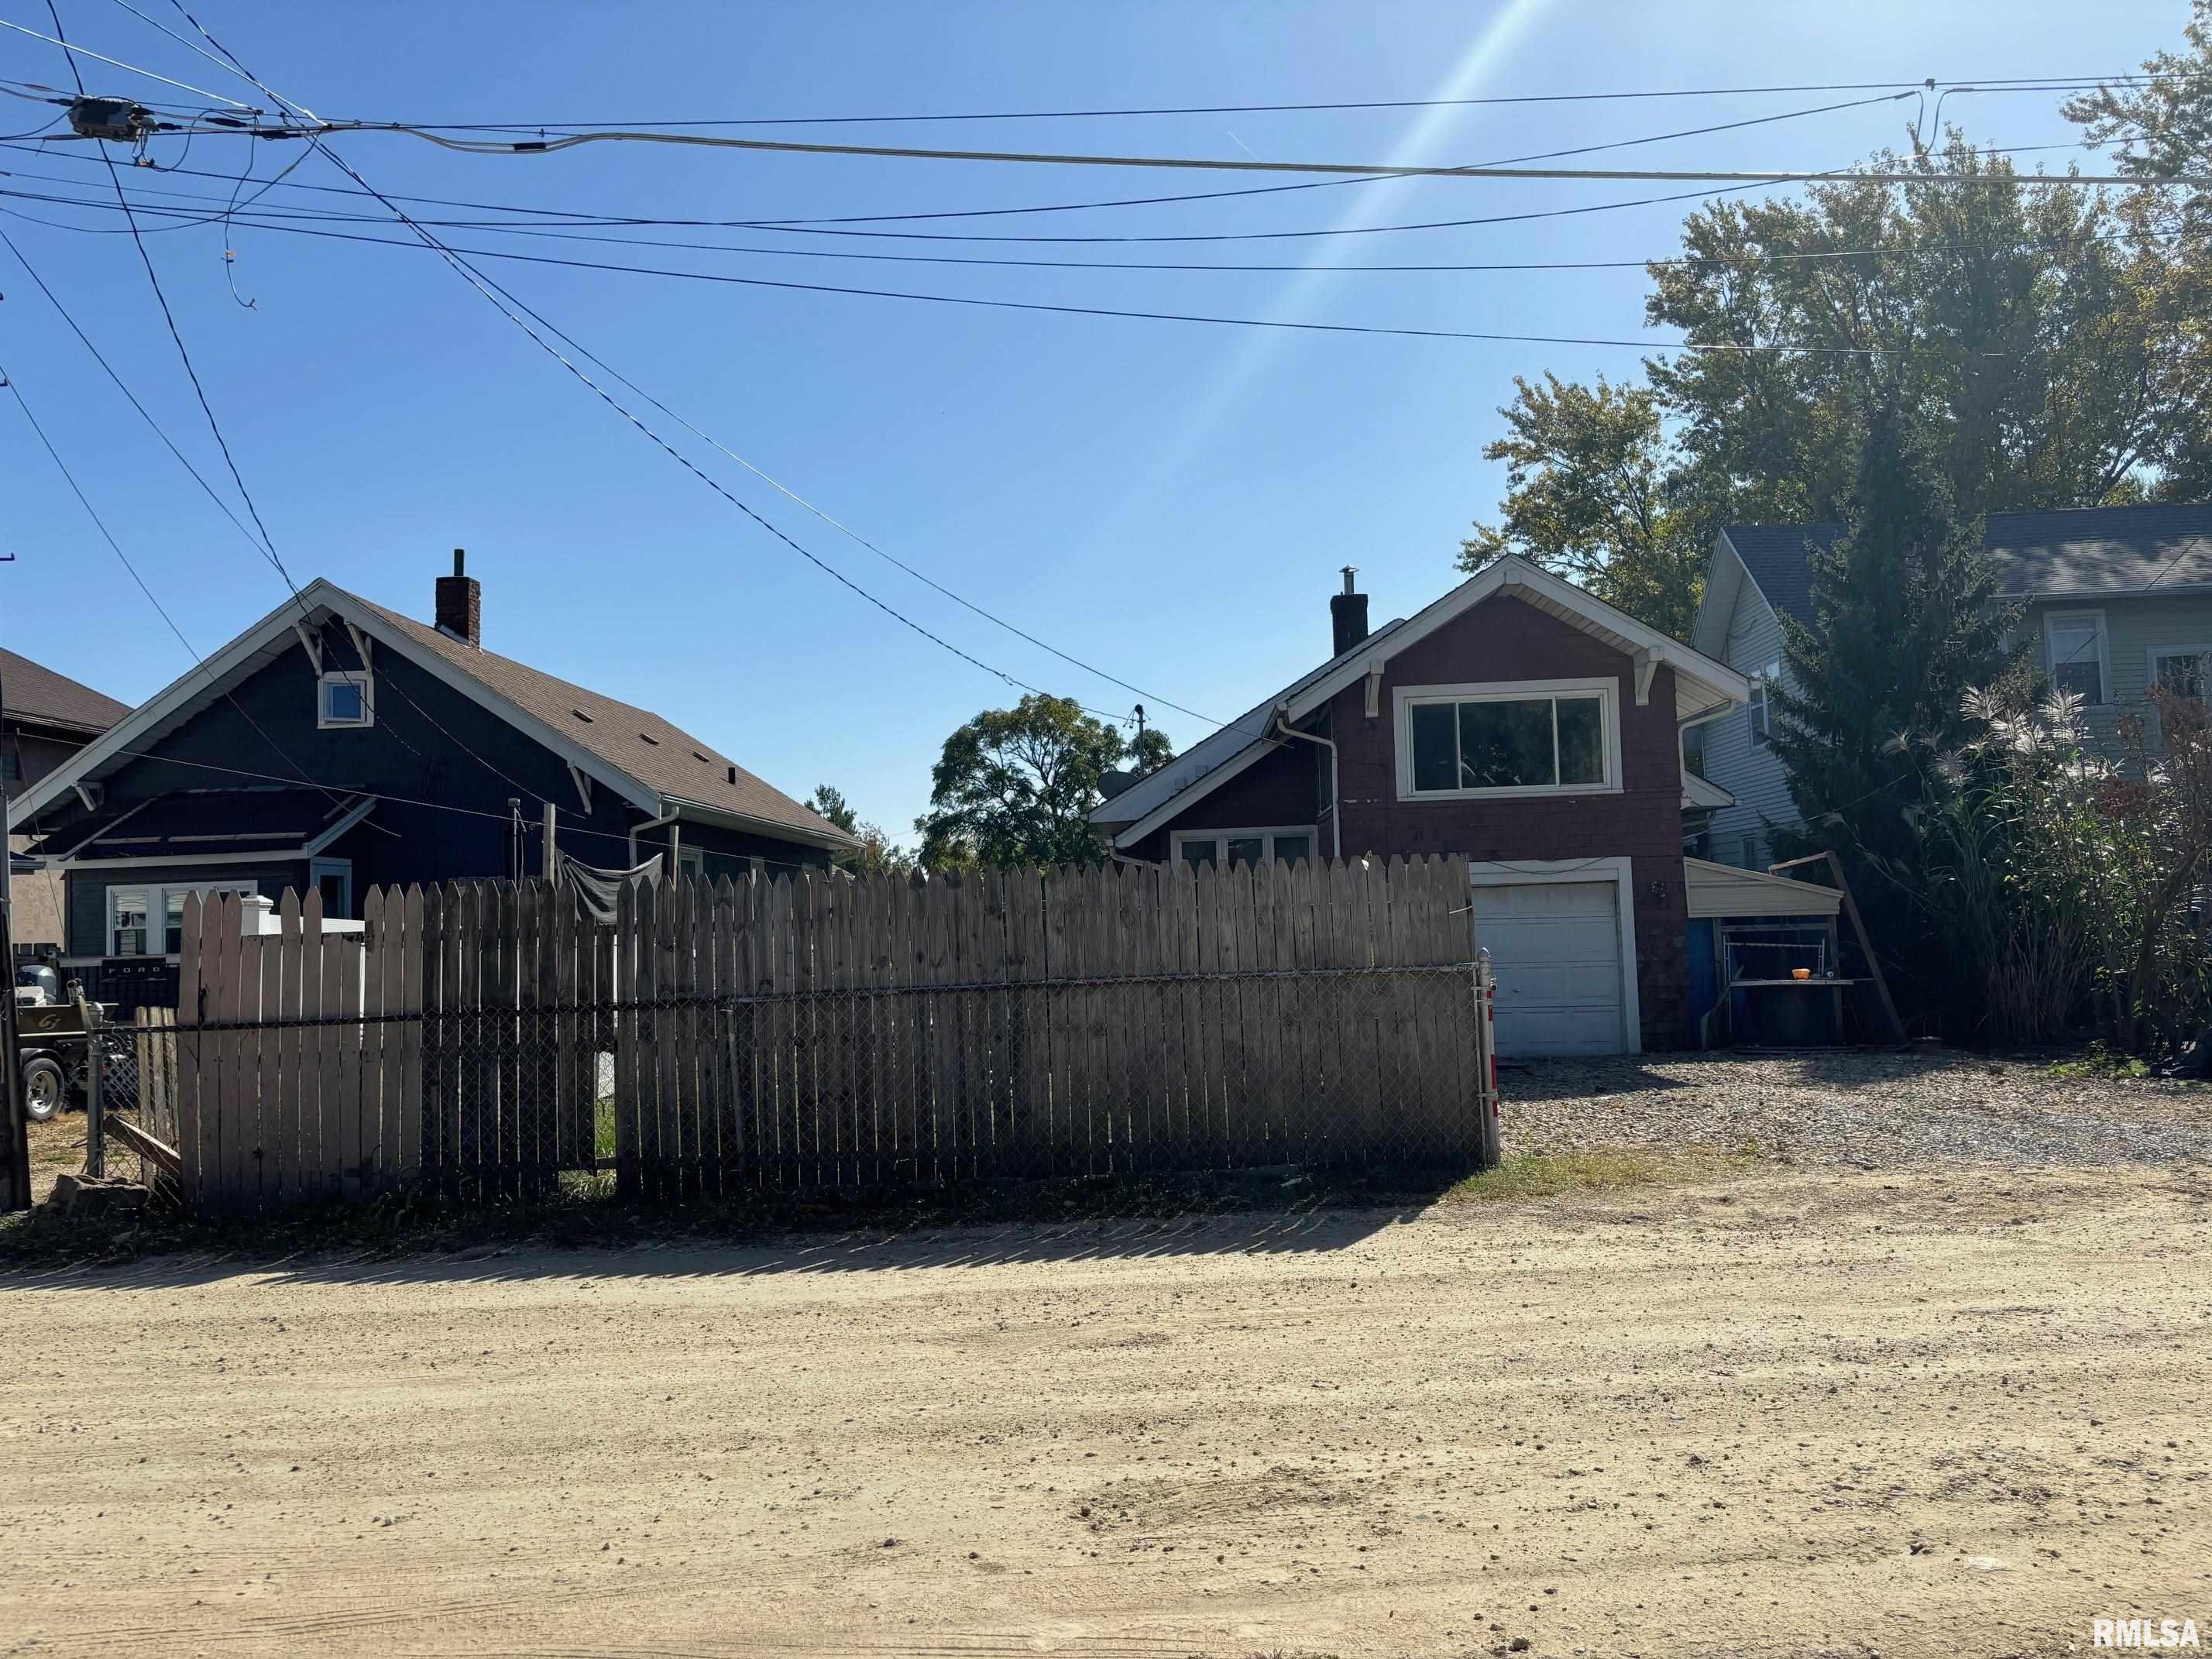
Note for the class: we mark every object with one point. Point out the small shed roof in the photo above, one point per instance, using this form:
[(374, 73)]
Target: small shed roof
[(1722, 889)]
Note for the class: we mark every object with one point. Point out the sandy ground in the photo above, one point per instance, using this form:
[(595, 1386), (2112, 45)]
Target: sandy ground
[(1927, 1413)]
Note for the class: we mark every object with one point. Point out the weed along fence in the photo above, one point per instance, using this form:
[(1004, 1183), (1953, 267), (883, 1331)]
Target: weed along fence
[(487, 1037)]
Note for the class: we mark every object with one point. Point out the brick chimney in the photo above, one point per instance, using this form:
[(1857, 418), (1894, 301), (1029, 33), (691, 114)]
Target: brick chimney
[(460, 605), (1347, 615)]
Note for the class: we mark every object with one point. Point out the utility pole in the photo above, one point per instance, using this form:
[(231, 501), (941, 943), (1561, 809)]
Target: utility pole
[(515, 838), (1140, 722)]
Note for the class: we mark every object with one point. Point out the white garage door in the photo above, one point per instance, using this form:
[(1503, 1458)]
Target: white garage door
[(1555, 947)]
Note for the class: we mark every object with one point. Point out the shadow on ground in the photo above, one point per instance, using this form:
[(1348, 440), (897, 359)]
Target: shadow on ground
[(573, 1236)]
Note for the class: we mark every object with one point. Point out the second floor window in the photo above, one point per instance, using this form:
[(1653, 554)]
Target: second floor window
[(2077, 653), (1762, 706), (1555, 736)]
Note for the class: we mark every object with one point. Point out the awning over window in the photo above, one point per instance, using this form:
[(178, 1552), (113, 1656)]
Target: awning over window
[(202, 822)]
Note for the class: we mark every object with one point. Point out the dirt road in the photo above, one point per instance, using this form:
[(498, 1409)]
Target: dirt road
[(1787, 1414)]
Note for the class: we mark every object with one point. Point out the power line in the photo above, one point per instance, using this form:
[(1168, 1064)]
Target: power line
[(108, 535), (2032, 83), (480, 284), (276, 218), (996, 673), (567, 829), (268, 543), (75, 52), (169, 318), (1072, 310), (834, 524), (1220, 164), (1271, 190), (845, 225)]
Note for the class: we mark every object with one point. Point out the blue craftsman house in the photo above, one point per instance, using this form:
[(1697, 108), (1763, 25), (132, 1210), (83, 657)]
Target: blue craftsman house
[(337, 744)]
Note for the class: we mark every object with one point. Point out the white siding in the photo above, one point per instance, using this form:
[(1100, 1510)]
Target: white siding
[(1752, 773)]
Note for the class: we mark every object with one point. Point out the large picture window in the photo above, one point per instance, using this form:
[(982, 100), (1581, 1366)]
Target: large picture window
[(1550, 736)]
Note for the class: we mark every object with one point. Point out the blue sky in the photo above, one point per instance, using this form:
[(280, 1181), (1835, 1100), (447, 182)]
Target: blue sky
[(1169, 501)]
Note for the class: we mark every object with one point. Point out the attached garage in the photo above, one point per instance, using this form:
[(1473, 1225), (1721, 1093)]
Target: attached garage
[(1560, 938)]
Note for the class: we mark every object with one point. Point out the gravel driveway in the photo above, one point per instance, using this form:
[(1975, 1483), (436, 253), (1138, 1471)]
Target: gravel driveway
[(1859, 1109)]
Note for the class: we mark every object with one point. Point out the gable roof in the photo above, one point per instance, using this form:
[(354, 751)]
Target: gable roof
[(655, 765), (2060, 551), (36, 696), (1700, 684), (1774, 557), (669, 760)]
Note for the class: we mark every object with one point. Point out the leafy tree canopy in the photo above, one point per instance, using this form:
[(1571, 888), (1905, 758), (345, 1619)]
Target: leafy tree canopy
[(1014, 787), (877, 855), (2043, 347)]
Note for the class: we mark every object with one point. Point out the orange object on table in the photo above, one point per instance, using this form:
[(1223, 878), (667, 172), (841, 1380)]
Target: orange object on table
[(1800, 973)]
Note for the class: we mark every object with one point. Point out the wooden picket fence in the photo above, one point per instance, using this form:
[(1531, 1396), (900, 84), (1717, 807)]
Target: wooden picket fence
[(487, 1037)]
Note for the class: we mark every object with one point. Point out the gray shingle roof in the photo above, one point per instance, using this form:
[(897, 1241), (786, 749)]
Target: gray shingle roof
[(634, 740), (2084, 549), (37, 696)]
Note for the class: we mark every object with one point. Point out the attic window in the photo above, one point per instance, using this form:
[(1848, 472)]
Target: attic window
[(345, 697), (581, 715), (650, 738)]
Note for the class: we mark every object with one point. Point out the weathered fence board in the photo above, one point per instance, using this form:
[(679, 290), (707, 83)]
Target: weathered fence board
[(821, 1031)]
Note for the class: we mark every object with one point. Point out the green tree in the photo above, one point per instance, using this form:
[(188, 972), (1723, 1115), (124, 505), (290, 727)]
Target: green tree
[(1905, 620), (1014, 787), (2048, 347), (2008, 323), (2160, 129), (877, 855), (1587, 497)]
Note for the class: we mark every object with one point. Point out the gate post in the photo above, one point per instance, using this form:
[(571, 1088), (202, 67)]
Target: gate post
[(95, 1114), (1490, 1151)]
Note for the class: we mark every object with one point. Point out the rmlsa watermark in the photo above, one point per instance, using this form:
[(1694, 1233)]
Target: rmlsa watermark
[(2143, 1632)]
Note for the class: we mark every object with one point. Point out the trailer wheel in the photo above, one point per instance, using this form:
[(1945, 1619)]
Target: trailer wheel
[(45, 1088)]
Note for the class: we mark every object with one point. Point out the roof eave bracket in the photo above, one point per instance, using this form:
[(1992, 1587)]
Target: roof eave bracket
[(89, 795), (362, 645), (311, 642), (582, 780), (1374, 687), (1647, 665)]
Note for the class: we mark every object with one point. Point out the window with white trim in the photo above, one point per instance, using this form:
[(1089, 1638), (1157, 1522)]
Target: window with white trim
[(1761, 710), (346, 698), (2182, 670), (2078, 654), (131, 911), (1225, 849), (1550, 737)]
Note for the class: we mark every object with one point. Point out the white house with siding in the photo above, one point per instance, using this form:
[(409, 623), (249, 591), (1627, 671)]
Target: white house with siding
[(2118, 599)]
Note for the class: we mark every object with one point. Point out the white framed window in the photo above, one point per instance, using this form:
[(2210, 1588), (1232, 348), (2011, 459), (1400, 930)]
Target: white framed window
[(345, 697), (128, 909), (690, 861), (2181, 670), (1761, 711), (131, 910), (1508, 738), (2078, 653), (1226, 848)]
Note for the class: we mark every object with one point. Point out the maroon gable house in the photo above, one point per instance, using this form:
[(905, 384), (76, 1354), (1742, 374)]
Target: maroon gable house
[(1518, 723)]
